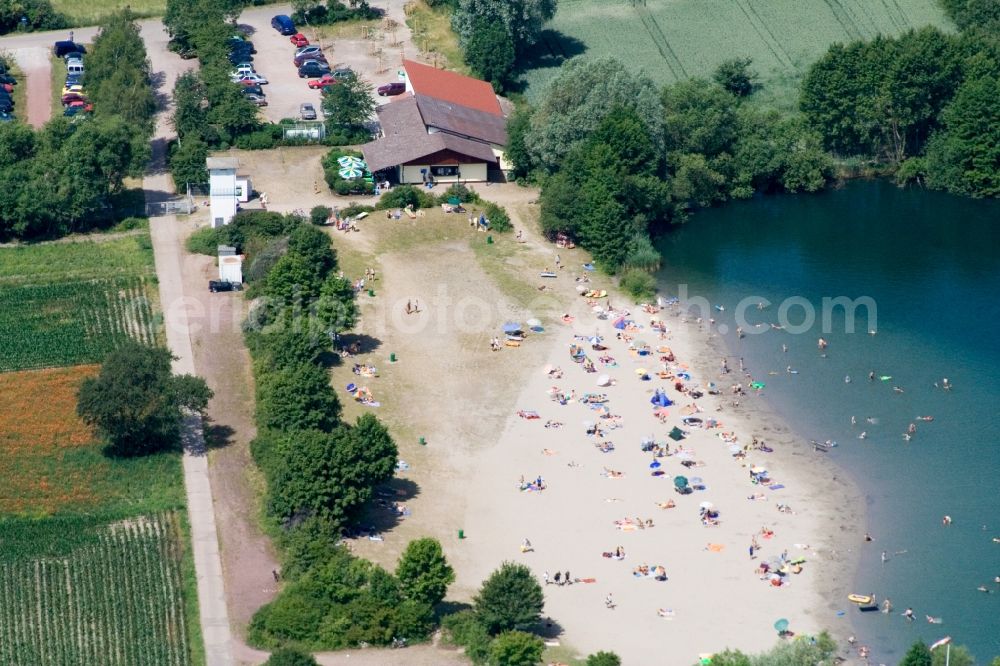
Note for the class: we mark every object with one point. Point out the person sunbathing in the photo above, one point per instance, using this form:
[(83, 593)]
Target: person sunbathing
[(553, 424), (612, 474), (669, 504)]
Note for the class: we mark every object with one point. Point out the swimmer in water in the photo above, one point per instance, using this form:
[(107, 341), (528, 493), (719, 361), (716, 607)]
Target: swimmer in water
[(897, 389), (907, 436), (871, 376), (784, 348), (870, 419), (863, 435), (854, 420), (822, 344), (945, 384), (847, 379)]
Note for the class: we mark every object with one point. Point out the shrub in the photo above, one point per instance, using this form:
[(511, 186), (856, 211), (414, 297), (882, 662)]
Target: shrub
[(205, 241), (406, 195), (265, 138), (464, 628), (319, 215), (604, 658), (639, 284), (424, 572), (265, 259), (356, 209), (461, 192), (642, 254), (499, 221), (516, 648), (287, 656), (130, 223)]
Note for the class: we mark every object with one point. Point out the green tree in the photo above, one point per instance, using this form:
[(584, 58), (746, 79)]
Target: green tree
[(490, 52), (509, 599), (577, 101), (331, 475), (288, 656), (297, 397), (187, 163), (423, 571), (292, 278), (523, 20), (917, 655), (136, 403), (959, 656), (348, 104), (516, 648), (736, 77), (314, 246), (518, 126), (963, 156), (604, 658)]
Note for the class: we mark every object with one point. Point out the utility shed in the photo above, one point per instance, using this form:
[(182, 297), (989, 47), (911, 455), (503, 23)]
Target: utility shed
[(230, 265)]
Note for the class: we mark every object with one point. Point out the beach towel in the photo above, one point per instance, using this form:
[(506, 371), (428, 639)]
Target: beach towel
[(715, 547), (529, 415), (586, 580)]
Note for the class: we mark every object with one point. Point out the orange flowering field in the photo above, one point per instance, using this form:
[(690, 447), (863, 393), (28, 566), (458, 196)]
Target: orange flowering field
[(50, 461)]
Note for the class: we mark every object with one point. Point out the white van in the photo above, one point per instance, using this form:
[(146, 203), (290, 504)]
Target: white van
[(74, 67)]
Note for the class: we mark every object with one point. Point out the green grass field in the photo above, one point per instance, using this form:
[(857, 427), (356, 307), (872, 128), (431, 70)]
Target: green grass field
[(90, 12), (675, 39), (73, 591), (70, 303)]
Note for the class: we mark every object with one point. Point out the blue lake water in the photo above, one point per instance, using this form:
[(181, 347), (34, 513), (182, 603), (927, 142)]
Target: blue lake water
[(930, 262)]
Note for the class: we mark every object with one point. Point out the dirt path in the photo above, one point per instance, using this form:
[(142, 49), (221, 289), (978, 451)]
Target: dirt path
[(37, 68)]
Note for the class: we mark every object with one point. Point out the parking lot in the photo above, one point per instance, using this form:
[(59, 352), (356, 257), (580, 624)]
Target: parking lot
[(285, 91)]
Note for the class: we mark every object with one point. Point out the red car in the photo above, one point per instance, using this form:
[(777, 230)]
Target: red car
[(72, 98), (299, 40), (323, 81)]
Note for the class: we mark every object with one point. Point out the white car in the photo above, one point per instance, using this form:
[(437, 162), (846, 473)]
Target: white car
[(248, 77), (241, 72)]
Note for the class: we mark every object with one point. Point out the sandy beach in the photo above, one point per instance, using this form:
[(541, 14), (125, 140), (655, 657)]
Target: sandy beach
[(464, 399)]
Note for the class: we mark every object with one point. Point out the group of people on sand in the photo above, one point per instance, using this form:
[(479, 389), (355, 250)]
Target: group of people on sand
[(559, 579), (537, 485)]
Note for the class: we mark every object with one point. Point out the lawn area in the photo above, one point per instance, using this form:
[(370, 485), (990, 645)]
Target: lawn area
[(77, 591), (432, 33), (89, 13), (70, 303), (50, 462), (674, 39), (94, 566)]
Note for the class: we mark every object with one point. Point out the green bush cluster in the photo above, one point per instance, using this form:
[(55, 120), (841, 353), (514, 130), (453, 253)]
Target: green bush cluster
[(403, 196), (334, 11), (40, 15), (331, 169)]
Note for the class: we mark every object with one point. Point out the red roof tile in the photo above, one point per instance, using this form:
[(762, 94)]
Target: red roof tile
[(451, 87)]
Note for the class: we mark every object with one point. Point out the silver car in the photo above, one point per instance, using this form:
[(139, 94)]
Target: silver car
[(307, 111)]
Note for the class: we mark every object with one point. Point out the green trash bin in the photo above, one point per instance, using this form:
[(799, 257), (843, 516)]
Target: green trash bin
[(489, 240), (371, 293), (461, 534), (423, 442), (392, 357)]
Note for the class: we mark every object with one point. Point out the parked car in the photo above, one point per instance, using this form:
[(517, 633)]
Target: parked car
[(6, 87), (238, 42), (299, 59), (259, 100), (72, 88), (308, 48), (389, 89), (342, 73), (78, 110), (239, 57), (6, 117), (299, 40), (283, 24), (251, 79), (74, 67), (6, 105), (7, 78), (307, 111), (323, 81), (256, 90), (63, 47), (242, 71), (313, 68), (69, 98), (223, 285)]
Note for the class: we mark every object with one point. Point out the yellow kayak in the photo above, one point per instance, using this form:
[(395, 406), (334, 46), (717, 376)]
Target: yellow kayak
[(861, 598)]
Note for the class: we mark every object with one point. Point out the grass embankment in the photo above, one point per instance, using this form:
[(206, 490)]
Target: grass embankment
[(432, 34), (99, 544), (90, 12), (672, 40)]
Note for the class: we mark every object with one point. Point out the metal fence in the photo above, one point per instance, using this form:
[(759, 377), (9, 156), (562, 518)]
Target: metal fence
[(179, 206)]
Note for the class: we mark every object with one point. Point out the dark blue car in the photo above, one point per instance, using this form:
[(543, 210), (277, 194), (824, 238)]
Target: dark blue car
[(283, 24)]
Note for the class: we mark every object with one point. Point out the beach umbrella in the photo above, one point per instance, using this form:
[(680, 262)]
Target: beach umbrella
[(511, 327), (781, 626), (706, 505), (604, 380), (533, 322), (619, 323), (350, 172), (350, 160), (640, 344), (454, 201), (654, 465), (680, 481), (676, 434)]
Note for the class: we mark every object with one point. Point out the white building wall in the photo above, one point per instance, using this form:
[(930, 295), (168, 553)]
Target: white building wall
[(222, 188)]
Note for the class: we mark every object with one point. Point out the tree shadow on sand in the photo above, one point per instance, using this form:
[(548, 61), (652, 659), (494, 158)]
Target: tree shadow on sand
[(386, 510), (217, 435)]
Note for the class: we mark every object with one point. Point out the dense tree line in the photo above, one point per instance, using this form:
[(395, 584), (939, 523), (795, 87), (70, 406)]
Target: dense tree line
[(67, 176), (37, 15), (497, 36), (316, 12), (925, 104), (617, 157), (210, 110)]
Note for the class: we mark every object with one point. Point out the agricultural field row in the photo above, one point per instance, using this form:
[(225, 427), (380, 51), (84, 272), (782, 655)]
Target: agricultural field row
[(73, 592), (675, 39), (74, 261), (66, 323)]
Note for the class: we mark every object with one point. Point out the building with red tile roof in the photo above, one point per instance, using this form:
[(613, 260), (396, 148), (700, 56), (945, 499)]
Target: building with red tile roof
[(450, 87)]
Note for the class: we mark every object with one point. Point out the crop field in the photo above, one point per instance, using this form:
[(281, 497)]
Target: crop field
[(90, 12), (50, 462), (73, 591), (675, 39), (69, 303)]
